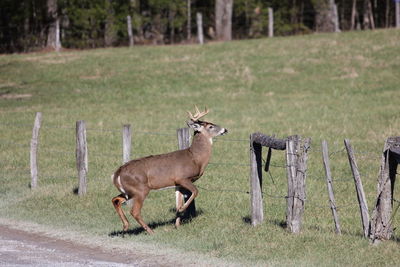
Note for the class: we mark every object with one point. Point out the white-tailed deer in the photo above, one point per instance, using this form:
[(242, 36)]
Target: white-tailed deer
[(137, 177)]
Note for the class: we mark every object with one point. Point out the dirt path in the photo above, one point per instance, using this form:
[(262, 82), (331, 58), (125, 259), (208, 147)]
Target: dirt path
[(23, 248)]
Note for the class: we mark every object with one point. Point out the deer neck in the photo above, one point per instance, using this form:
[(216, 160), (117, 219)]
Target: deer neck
[(201, 148)]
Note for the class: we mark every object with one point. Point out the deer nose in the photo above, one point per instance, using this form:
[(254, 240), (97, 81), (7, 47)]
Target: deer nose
[(225, 131)]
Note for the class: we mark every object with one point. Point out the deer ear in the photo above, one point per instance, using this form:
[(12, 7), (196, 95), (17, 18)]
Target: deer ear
[(194, 125)]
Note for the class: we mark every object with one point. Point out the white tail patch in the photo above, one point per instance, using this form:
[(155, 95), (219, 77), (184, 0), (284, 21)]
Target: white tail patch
[(120, 185)]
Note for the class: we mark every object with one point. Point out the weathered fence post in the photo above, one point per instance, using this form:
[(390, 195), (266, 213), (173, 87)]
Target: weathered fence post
[(182, 194), (296, 159), (359, 188), (325, 158), (200, 35), (129, 26), (81, 157), (257, 210), (34, 148), (270, 22), (381, 223), (126, 143)]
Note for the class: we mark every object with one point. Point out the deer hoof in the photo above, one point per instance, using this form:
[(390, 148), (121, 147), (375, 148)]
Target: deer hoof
[(148, 230), (177, 222)]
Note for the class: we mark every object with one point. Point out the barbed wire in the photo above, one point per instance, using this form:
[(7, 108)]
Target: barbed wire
[(266, 194)]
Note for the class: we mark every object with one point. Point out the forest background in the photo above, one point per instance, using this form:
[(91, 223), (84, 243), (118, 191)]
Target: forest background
[(32, 25)]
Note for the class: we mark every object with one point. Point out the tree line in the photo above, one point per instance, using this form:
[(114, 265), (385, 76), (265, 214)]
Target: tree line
[(28, 25)]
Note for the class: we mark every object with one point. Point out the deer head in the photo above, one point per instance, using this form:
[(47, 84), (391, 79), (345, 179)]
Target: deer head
[(208, 129)]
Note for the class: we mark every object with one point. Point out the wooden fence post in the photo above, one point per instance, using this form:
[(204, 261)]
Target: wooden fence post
[(129, 26), (34, 148), (256, 200), (81, 157), (381, 223), (200, 35), (270, 22), (359, 188), (296, 158), (126, 143), (325, 158), (182, 194)]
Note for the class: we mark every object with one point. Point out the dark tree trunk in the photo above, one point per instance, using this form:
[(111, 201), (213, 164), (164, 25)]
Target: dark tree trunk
[(223, 19)]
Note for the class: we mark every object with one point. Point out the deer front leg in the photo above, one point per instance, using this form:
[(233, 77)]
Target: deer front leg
[(179, 204), (186, 183), (117, 202)]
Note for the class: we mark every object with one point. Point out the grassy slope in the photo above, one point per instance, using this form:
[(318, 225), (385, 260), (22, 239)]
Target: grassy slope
[(323, 86)]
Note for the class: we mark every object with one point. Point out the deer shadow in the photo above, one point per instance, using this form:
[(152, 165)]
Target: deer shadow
[(280, 223), (154, 225)]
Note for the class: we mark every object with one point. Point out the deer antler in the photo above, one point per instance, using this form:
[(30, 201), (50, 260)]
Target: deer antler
[(198, 114)]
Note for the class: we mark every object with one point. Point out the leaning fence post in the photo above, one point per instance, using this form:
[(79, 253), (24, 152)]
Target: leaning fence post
[(34, 148), (126, 143), (325, 158), (182, 194), (81, 156), (359, 188), (257, 209)]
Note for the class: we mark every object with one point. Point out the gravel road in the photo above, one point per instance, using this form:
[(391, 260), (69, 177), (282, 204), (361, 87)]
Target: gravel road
[(21, 248)]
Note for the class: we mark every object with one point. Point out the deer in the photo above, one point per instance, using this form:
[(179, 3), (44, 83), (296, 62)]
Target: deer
[(136, 178)]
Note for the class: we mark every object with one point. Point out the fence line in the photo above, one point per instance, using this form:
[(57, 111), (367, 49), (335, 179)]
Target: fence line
[(338, 151)]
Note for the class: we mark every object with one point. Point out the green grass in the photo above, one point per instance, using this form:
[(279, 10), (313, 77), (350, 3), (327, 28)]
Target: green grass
[(328, 87)]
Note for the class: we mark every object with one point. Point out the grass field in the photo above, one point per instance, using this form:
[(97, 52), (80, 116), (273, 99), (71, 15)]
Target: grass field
[(328, 87)]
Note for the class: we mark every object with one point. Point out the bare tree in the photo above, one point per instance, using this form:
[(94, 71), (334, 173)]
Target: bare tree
[(368, 17), (223, 19)]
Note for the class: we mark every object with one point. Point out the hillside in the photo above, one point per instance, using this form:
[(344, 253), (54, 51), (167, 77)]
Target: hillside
[(327, 87)]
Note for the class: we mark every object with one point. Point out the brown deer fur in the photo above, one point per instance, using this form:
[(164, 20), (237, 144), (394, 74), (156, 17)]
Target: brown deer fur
[(137, 177)]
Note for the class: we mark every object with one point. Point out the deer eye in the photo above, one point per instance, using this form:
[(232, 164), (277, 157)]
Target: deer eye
[(211, 127)]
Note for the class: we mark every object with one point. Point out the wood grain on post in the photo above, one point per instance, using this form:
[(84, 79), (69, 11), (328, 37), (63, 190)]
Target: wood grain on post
[(81, 157), (296, 159), (325, 158), (381, 222), (182, 194), (257, 210), (291, 146), (299, 185), (34, 148), (126, 143), (359, 188)]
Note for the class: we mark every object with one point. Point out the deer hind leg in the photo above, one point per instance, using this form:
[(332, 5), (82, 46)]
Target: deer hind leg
[(117, 202), (136, 211), (186, 183)]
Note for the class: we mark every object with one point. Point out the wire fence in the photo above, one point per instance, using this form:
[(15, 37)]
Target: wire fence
[(273, 190)]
